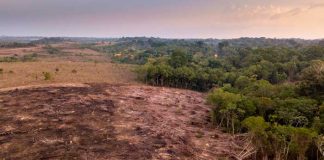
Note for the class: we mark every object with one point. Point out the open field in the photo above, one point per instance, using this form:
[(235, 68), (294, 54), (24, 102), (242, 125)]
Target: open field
[(31, 73), (19, 51), (101, 121), (64, 62), (66, 51)]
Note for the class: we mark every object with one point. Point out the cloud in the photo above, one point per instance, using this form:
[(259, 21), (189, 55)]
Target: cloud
[(316, 6), (296, 11), (291, 12)]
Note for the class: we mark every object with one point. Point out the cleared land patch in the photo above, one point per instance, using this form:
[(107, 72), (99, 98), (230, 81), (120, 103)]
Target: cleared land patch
[(102, 121)]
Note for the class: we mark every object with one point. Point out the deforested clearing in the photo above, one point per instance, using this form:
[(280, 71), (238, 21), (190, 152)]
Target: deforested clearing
[(103, 121)]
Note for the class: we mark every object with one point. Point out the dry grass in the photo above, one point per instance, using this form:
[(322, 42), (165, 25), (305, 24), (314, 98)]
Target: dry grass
[(71, 65), (5, 52), (67, 52), (31, 73)]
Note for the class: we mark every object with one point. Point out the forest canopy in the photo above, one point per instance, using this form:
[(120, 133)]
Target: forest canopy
[(270, 89), (275, 94)]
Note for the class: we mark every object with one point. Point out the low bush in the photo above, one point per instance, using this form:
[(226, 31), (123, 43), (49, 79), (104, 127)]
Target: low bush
[(47, 76)]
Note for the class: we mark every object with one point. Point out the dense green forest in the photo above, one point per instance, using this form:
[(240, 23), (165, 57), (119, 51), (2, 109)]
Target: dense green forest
[(272, 93), (137, 50)]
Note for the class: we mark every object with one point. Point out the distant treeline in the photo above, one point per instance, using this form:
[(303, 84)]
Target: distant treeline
[(32, 43), (15, 45), (137, 50)]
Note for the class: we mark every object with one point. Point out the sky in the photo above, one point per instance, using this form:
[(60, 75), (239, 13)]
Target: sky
[(163, 18)]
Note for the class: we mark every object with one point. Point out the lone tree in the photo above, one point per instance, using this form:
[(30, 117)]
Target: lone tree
[(178, 58), (313, 80)]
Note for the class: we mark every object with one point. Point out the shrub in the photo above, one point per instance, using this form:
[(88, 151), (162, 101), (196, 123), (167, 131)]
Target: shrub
[(47, 76), (227, 110), (51, 50), (9, 59)]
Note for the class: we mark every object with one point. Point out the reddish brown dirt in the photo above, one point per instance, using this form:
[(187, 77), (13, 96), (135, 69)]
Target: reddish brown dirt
[(102, 121)]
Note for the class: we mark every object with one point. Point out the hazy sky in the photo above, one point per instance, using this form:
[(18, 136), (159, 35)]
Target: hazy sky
[(163, 18)]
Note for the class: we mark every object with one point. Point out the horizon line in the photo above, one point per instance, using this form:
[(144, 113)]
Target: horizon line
[(184, 38)]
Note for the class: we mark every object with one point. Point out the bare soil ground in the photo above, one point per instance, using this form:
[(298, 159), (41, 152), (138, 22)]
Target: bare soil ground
[(103, 121)]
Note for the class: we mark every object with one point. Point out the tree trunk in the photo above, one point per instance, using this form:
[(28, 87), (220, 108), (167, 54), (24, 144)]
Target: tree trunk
[(233, 127)]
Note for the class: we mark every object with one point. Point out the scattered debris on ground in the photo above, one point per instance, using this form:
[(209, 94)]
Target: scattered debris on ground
[(102, 121)]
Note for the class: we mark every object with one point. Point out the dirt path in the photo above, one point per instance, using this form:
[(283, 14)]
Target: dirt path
[(101, 121)]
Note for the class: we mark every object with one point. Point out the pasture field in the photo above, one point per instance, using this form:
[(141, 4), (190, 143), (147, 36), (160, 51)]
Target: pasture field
[(33, 73), (60, 63)]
